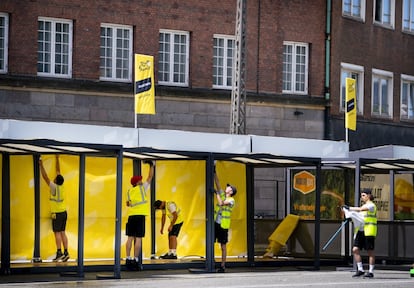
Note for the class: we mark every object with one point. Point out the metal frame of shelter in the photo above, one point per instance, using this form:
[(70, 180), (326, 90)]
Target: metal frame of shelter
[(372, 165), (44, 146)]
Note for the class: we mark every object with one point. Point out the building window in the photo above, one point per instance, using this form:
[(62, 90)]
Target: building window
[(408, 15), (407, 97), (382, 82), (384, 12), (223, 60), (173, 58), (354, 8), (355, 72), (4, 37), (116, 53), (54, 52), (295, 68)]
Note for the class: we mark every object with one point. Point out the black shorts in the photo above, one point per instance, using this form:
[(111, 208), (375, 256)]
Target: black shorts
[(221, 235), (364, 242), (135, 227), (175, 229), (59, 221)]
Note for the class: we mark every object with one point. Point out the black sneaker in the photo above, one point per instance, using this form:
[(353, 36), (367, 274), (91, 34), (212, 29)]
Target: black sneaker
[(369, 275), (58, 257), (65, 257), (164, 256), (358, 274), (137, 266), (221, 270), (129, 264), (168, 256)]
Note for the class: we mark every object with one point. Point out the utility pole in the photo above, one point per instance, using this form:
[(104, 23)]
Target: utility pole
[(238, 94)]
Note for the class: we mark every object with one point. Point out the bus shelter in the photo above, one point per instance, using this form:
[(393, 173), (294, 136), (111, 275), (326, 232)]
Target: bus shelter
[(388, 173), (98, 218)]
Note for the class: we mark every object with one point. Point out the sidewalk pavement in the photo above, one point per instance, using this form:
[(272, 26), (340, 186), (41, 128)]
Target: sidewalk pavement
[(234, 277)]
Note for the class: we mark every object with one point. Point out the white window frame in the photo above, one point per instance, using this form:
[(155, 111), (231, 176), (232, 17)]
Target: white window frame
[(384, 12), (358, 70), (115, 63), (389, 78), (4, 49), (407, 115), (53, 54), (170, 63), (350, 8), (408, 16), (227, 66), (293, 71)]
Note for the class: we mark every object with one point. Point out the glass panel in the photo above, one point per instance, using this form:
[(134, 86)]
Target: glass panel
[(375, 97), (384, 97)]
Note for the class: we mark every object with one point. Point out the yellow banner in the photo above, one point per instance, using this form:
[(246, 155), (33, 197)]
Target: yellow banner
[(350, 105), (144, 87)]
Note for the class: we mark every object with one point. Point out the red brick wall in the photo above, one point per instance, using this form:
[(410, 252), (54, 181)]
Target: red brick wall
[(279, 21)]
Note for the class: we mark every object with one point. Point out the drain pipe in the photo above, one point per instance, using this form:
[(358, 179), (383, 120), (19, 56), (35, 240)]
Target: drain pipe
[(327, 116)]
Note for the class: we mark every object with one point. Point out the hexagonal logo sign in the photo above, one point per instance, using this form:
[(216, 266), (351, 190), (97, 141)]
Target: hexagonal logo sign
[(304, 182)]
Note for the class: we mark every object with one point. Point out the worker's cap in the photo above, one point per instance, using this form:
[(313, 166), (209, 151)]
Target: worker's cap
[(157, 204), (135, 179), (232, 188)]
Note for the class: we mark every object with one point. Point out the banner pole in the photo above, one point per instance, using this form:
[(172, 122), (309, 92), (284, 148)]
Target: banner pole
[(346, 135)]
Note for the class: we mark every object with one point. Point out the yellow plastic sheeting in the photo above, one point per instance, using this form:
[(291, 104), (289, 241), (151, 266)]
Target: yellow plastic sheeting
[(281, 234), (71, 185), (184, 183), (180, 181), (234, 174)]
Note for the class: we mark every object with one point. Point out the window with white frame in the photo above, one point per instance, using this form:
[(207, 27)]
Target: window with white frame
[(116, 53), (4, 38), (408, 15), (355, 72), (223, 59), (174, 47), (407, 97), (384, 11), (382, 96), (354, 8), (295, 67), (54, 52)]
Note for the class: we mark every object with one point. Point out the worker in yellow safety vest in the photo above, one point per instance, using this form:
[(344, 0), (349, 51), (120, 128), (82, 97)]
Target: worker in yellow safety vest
[(58, 211), (138, 208), (222, 216), (170, 209), (365, 238)]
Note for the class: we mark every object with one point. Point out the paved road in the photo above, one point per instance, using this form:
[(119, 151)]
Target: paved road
[(254, 278)]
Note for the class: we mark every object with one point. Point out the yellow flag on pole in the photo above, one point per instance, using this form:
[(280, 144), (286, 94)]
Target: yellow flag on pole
[(350, 104), (144, 84)]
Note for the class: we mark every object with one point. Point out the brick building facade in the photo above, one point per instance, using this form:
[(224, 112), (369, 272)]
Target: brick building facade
[(293, 81), (84, 97)]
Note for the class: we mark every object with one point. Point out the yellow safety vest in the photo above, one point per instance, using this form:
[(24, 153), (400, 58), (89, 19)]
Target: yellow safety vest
[(226, 211), (57, 201), (170, 215), (139, 204), (370, 222)]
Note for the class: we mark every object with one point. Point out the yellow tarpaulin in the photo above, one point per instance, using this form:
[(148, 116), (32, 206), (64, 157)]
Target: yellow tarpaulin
[(180, 181)]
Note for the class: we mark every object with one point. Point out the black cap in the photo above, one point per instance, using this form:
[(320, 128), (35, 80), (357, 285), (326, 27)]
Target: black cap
[(232, 188), (157, 204)]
